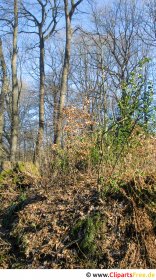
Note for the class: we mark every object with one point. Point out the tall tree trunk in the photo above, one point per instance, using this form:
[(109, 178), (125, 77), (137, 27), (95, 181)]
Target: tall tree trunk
[(2, 96), (41, 101), (46, 27), (68, 17), (65, 73), (55, 112), (15, 92)]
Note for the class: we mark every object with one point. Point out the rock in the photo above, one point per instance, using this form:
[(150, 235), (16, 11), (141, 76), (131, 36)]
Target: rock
[(19, 173), (27, 168)]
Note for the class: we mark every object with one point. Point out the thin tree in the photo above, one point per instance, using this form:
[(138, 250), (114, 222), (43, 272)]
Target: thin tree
[(15, 90)]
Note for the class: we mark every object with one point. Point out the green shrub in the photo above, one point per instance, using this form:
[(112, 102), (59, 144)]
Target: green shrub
[(85, 232)]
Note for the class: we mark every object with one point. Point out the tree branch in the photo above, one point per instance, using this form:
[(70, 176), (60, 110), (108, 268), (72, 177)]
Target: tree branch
[(74, 6)]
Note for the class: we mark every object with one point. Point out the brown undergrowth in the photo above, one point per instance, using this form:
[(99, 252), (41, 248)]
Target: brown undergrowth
[(73, 221)]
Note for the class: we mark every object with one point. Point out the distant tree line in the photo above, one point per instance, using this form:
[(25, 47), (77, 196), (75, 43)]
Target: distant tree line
[(56, 55)]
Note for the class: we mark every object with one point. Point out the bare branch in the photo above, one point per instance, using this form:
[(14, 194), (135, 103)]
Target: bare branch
[(74, 6)]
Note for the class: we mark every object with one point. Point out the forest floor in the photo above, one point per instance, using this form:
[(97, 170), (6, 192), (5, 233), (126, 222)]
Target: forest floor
[(69, 222)]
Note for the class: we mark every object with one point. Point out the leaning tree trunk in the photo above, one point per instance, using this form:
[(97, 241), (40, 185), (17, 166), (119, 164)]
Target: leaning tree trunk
[(15, 92), (40, 135), (2, 96), (65, 73)]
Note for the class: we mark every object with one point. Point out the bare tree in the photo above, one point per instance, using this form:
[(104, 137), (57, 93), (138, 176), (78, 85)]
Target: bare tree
[(69, 12), (15, 89), (44, 29), (2, 95), (148, 31), (117, 27)]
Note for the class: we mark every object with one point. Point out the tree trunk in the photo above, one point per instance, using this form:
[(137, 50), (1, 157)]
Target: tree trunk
[(15, 92), (65, 73), (55, 113), (2, 96), (41, 101)]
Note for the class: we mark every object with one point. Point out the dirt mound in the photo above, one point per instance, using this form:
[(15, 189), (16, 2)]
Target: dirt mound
[(74, 225)]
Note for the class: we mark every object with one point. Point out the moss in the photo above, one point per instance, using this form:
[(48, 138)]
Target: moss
[(27, 168), (21, 174), (85, 232), (4, 175)]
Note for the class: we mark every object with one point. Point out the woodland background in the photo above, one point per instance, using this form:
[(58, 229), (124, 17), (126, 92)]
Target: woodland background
[(77, 134)]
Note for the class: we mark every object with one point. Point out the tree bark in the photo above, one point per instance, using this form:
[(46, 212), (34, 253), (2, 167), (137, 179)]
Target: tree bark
[(15, 92), (2, 96), (55, 113), (68, 18), (65, 73), (41, 100)]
